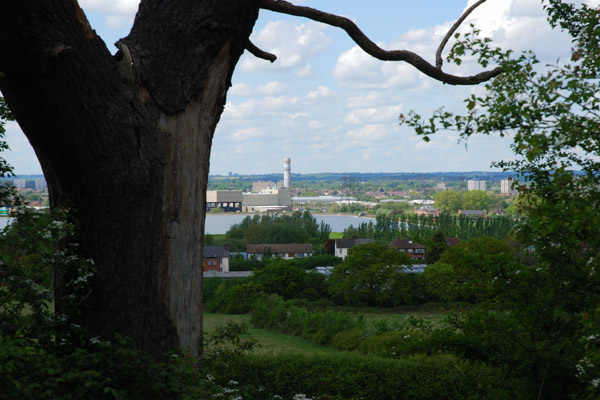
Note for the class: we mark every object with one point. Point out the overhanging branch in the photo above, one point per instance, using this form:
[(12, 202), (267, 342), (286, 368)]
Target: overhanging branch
[(438, 53), (254, 50), (372, 49)]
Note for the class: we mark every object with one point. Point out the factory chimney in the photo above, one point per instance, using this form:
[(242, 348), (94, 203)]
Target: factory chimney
[(286, 172)]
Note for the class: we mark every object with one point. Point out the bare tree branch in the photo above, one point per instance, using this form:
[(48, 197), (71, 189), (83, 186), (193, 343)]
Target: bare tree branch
[(371, 48), (438, 53), (252, 48)]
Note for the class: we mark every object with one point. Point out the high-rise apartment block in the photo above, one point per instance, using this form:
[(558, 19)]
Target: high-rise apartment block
[(506, 186), (475, 185)]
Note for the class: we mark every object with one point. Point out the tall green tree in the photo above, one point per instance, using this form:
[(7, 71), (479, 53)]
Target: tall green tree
[(475, 200), (536, 326), (372, 274), (436, 246), (449, 201)]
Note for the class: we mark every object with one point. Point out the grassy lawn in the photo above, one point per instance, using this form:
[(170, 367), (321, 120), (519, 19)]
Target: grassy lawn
[(275, 342), (268, 340)]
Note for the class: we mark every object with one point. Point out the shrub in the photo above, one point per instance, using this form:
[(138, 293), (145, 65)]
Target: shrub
[(354, 376), (396, 344), (347, 340), (270, 311), (235, 299)]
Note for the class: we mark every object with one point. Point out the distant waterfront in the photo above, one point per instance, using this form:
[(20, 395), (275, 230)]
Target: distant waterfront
[(220, 223)]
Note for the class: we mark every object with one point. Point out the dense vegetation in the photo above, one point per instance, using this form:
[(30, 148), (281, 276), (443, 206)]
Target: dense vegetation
[(298, 227), (422, 228)]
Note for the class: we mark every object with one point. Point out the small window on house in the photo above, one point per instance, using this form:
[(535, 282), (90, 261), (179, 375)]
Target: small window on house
[(410, 250), (420, 251)]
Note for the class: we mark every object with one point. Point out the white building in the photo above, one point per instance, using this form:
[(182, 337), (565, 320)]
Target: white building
[(476, 185), (342, 246), (267, 200), (506, 186)]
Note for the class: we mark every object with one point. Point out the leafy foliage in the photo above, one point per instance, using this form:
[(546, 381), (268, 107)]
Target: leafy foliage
[(295, 228), (371, 274), (422, 228), (538, 315)]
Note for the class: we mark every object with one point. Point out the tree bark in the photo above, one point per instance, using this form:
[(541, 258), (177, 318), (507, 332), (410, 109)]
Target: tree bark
[(124, 141)]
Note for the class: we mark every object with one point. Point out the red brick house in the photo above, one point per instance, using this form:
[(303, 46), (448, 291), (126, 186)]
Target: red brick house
[(216, 258), (473, 213), (427, 210), (415, 250)]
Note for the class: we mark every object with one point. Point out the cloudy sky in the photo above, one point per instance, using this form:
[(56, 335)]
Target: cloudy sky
[(330, 107)]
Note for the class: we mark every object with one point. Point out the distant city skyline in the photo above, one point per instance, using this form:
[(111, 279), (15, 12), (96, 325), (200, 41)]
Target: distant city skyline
[(330, 107)]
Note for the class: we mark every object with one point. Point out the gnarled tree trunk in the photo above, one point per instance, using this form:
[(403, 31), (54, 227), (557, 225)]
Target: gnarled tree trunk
[(125, 141)]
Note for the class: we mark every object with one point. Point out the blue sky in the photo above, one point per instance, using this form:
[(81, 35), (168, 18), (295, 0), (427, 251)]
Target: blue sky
[(332, 108)]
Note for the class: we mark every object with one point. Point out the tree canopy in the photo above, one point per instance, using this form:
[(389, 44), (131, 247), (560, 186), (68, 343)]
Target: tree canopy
[(551, 113)]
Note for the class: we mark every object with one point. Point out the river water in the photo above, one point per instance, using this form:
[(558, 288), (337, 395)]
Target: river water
[(220, 223)]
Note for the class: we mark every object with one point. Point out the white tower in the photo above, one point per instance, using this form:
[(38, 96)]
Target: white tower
[(286, 172)]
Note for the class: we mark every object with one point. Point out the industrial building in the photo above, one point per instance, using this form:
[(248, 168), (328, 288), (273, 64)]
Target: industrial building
[(268, 199), (228, 200)]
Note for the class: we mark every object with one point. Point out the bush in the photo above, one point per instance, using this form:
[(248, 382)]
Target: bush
[(234, 299), (270, 311), (210, 285), (354, 376), (283, 278), (347, 340), (396, 344)]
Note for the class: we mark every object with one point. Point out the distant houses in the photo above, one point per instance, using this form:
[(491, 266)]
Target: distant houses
[(427, 211), (340, 247), (216, 258), (413, 249), (284, 251), (473, 213)]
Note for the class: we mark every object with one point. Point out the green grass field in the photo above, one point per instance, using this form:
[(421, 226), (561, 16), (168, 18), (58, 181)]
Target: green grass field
[(275, 342), (269, 341)]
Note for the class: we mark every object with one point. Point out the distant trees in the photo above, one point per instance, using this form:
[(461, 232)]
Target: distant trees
[(449, 201), (422, 228), (295, 228), (475, 200)]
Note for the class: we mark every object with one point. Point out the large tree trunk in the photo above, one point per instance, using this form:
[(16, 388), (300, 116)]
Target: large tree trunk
[(124, 141)]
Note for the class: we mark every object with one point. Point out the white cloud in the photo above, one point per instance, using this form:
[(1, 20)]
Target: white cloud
[(240, 89), (305, 71), (272, 88), (278, 103), (239, 111), (245, 134), (356, 69), (320, 91), (294, 44), (371, 99), (369, 133), (117, 13), (315, 124), (384, 114)]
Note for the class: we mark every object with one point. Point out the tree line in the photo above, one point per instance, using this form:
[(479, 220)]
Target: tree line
[(391, 227)]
